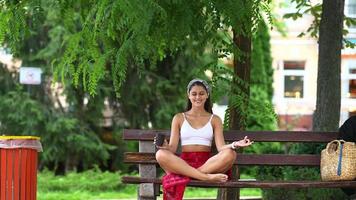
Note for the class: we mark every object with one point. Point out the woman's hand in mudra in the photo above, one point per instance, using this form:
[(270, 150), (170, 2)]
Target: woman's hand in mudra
[(242, 143)]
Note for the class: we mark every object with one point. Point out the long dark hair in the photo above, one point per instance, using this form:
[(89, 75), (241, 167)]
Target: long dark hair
[(207, 104)]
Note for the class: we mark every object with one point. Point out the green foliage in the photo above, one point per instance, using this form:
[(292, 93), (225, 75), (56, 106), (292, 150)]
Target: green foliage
[(18, 106), (261, 58), (221, 83), (101, 36), (91, 184), (63, 137), (155, 47), (2, 27), (90, 180), (261, 112), (26, 111), (129, 31), (67, 139), (17, 18), (71, 130)]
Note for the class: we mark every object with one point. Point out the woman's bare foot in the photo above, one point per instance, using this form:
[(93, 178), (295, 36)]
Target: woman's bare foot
[(217, 177)]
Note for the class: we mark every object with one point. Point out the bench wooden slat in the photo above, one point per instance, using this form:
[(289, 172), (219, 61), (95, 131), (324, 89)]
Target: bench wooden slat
[(258, 136), (252, 184), (242, 159)]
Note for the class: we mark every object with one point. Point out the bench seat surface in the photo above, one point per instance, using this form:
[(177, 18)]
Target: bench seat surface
[(241, 159), (241, 183)]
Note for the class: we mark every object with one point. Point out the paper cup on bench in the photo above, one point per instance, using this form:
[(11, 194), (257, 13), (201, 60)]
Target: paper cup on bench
[(18, 167), (338, 161)]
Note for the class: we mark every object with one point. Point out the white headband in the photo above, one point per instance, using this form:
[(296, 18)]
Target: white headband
[(200, 81)]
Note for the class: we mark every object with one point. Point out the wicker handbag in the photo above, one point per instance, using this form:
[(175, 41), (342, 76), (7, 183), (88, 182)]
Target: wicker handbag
[(338, 161)]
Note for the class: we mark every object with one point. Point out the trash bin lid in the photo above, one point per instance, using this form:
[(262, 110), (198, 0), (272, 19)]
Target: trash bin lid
[(13, 142), (6, 137)]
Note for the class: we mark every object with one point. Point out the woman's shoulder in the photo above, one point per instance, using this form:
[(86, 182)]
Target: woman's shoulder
[(216, 118), (178, 117)]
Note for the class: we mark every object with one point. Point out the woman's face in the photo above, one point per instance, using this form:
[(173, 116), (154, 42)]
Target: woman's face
[(197, 96)]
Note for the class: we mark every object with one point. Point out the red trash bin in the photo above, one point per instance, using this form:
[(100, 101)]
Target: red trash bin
[(18, 167)]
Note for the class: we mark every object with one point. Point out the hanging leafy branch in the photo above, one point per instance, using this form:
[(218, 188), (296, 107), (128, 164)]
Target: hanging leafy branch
[(102, 36)]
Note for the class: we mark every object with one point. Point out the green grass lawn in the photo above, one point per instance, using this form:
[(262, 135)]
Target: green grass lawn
[(95, 185)]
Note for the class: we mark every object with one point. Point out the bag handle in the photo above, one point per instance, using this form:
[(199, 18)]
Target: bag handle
[(338, 142)]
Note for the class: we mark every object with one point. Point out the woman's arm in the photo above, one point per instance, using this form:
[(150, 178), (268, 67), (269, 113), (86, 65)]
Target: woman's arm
[(219, 137), (218, 133), (175, 133)]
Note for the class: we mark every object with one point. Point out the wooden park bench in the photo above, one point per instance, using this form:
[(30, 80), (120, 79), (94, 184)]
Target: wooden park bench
[(150, 184)]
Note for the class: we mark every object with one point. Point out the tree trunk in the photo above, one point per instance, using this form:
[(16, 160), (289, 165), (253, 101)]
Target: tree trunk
[(241, 81), (327, 113), (240, 87)]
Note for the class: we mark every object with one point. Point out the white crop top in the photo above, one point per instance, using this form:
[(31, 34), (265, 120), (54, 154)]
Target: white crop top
[(200, 136)]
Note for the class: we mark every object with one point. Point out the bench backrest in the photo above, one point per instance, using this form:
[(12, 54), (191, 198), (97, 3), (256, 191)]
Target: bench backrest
[(244, 159)]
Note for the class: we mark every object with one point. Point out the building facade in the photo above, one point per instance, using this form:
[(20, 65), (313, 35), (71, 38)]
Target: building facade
[(295, 64)]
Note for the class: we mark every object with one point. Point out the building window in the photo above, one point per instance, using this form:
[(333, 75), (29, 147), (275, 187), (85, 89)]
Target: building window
[(293, 86), (349, 79), (350, 8), (352, 88), (350, 11), (352, 81), (352, 113), (293, 79), (290, 65)]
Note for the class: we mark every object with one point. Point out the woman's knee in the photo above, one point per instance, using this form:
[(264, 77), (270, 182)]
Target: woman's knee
[(228, 155), (162, 155)]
